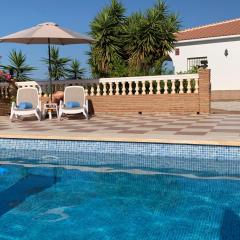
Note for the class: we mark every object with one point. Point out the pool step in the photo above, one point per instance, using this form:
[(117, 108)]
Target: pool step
[(25, 187)]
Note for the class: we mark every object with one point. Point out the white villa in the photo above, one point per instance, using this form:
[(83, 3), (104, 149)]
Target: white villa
[(218, 46)]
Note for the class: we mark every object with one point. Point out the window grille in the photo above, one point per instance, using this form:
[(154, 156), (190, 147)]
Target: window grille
[(195, 62)]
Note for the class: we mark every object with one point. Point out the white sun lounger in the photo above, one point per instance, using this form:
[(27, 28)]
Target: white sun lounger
[(30, 95), (74, 94)]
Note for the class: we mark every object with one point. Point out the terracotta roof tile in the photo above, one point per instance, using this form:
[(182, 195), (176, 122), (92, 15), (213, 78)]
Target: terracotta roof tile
[(226, 28)]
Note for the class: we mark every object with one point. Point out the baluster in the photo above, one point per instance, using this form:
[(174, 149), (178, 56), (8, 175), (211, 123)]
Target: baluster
[(1, 92), (117, 88), (6, 92), (181, 86), (110, 89), (173, 87), (158, 87), (165, 87), (150, 87), (104, 89), (196, 85), (92, 91), (98, 90), (189, 86), (123, 88), (137, 88), (130, 88), (143, 88), (86, 92)]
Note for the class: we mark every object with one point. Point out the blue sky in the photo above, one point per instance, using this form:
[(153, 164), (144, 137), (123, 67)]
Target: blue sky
[(77, 14)]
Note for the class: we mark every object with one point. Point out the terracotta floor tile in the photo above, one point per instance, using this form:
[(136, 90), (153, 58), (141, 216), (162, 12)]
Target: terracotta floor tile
[(208, 122), (168, 129), (36, 129), (201, 127), (133, 132), (149, 126), (117, 128), (80, 130), (221, 127), (226, 130), (191, 133), (228, 125), (181, 123)]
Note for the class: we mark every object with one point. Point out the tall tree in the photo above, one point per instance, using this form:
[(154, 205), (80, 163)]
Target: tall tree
[(106, 29), (150, 37), (134, 45), (58, 64), (18, 67), (75, 71)]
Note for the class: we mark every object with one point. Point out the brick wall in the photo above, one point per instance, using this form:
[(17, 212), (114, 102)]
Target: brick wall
[(204, 91), (172, 103), (146, 103), (4, 107)]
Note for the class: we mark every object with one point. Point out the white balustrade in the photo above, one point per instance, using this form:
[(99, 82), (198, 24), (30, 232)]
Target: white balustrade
[(92, 91), (98, 90), (104, 89), (173, 87), (117, 88), (143, 87), (158, 87), (165, 86), (124, 88), (150, 87), (110, 89), (181, 87), (137, 88), (129, 85), (189, 86), (130, 89)]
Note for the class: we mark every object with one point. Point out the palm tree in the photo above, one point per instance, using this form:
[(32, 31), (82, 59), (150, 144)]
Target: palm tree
[(136, 45), (58, 64), (75, 71), (150, 37), (18, 67), (106, 30)]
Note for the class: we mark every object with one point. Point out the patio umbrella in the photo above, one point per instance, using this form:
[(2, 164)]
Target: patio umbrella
[(47, 33)]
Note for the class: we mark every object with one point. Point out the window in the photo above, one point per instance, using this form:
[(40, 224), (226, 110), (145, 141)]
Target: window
[(177, 51), (196, 62)]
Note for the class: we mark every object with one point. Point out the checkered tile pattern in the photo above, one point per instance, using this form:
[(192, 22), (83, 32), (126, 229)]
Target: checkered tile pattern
[(196, 127)]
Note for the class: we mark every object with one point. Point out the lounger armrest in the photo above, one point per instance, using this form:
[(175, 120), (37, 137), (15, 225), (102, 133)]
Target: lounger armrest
[(61, 104), (40, 105), (13, 105), (86, 105)]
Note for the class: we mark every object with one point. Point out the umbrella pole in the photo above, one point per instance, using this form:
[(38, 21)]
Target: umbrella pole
[(50, 67)]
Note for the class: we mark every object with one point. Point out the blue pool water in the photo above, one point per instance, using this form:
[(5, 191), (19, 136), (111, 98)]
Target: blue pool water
[(59, 195)]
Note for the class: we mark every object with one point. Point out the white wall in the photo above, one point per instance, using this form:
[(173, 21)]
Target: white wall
[(225, 70)]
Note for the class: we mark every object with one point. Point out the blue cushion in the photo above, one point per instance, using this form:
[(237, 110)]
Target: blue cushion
[(25, 105), (72, 105)]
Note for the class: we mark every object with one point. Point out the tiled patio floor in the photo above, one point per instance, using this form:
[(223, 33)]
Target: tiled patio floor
[(214, 129)]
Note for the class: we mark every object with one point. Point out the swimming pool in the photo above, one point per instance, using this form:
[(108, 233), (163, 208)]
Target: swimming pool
[(106, 190)]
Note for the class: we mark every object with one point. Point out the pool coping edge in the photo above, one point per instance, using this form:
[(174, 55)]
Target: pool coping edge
[(122, 139)]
